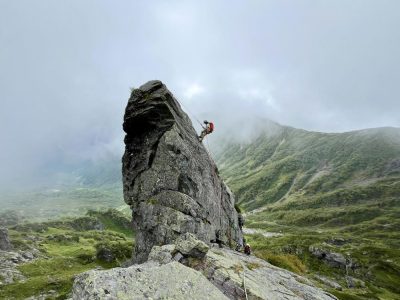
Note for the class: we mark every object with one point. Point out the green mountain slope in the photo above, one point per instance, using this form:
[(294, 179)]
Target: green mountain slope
[(336, 192), (292, 169)]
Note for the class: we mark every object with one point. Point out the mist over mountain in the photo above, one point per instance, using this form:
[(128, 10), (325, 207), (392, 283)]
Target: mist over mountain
[(284, 166), (325, 66)]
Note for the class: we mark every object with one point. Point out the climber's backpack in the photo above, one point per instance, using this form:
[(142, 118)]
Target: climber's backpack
[(211, 127)]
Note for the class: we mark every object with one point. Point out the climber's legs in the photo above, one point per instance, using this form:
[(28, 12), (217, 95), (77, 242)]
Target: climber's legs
[(202, 135)]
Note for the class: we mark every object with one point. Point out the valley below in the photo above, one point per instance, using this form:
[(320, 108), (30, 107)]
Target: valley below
[(324, 206)]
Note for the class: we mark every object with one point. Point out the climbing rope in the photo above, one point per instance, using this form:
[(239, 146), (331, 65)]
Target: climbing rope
[(208, 148), (201, 124), (244, 281), (190, 113)]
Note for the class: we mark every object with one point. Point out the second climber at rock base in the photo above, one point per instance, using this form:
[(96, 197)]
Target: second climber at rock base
[(247, 249), (206, 130)]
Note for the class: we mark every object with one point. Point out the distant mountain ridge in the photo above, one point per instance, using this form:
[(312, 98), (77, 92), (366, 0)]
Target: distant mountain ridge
[(286, 169)]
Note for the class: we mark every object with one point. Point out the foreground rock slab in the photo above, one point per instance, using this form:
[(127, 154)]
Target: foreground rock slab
[(170, 181), (146, 281), (220, 274), (231, 271), (236, 274)]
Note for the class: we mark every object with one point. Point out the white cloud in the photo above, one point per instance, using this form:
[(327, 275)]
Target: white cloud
[(193, 90), (318, 65)]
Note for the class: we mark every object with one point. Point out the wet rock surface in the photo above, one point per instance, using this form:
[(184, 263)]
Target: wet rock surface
[(169, 179)]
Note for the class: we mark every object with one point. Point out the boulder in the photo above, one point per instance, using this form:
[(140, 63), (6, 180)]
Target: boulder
[(9, 262), (162, 254), (188, 245), (328, 282), (334, 259), (169, 179), (354, 282), (105, 254), (146, 281), (5, 243), (338, 241)]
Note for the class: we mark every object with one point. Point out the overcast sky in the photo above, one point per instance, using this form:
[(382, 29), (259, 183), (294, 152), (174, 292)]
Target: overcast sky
[(66, 68)]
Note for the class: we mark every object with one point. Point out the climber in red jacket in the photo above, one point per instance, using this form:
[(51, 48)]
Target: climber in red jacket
[(207, 130)]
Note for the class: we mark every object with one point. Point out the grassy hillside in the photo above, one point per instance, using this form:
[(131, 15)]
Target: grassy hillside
[(49, 254), (296, 169), (317, 188)]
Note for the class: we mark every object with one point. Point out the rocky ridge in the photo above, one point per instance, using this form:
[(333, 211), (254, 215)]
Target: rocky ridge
[(184, 218), (170, 182), (189, 269)]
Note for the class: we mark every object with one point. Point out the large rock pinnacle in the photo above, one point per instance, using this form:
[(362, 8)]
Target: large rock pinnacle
[(170, 181)]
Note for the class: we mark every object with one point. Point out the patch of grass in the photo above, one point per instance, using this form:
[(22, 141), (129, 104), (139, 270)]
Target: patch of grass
[(253, 266), (286, 261), (114, 220), (119, 251), (237, 268)]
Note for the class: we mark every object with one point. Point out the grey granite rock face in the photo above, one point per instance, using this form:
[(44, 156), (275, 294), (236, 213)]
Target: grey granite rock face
[(170, 181), (146, 281), (5, 244)]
